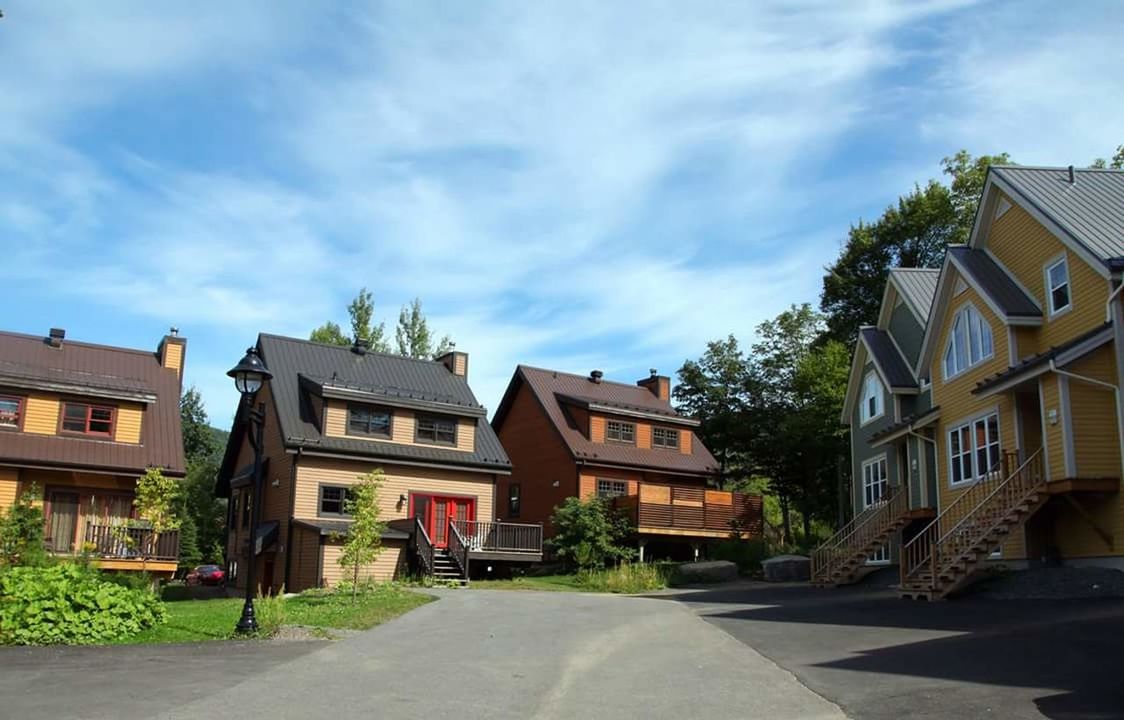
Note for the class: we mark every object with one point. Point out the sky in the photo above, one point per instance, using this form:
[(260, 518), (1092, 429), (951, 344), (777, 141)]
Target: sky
[(564, 184)]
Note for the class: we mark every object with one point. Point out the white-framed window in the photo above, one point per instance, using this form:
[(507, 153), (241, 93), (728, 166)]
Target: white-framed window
[(969, 343), (973, 449), (875, 481), (1057, 285), (619, 431), (611, 488), (872, 398)]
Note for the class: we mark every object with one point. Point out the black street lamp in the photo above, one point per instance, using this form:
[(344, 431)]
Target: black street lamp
[(249, 375)]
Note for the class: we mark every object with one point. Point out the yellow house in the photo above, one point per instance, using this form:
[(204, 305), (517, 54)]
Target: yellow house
[(79, 423)]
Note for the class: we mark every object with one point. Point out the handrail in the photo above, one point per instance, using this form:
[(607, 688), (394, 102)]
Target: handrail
[(501, 537), (827, 556), (123, 541), (457, 547), (424, 546)]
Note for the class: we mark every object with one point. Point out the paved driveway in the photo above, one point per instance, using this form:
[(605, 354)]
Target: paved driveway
[(881, 657), (473, 654)]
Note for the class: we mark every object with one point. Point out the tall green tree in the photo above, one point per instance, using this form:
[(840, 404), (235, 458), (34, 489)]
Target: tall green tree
[(198, 436), (363, 541), (589, 533), (206, 514), (157, 501), (414, 336), (1116, 163), (361, 311)]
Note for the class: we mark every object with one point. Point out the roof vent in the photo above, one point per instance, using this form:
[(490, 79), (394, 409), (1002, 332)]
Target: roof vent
[(596, 375), (55, 337), (653, 372), (1072, 177), (174, 331), (360, 346)]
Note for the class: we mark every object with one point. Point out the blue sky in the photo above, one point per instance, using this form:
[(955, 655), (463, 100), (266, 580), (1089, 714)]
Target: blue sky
[(571, 185)]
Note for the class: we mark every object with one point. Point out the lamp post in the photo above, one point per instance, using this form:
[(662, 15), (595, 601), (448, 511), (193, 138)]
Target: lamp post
[(249, 375)]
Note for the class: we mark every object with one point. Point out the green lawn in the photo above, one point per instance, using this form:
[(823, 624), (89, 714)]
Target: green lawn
[(545, 582), (195, 620)]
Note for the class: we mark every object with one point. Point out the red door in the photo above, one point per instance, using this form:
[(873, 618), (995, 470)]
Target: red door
[(436, 512)]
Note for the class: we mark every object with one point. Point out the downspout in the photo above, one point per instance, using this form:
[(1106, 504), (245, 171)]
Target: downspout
[(1092, 381), (292, 500)]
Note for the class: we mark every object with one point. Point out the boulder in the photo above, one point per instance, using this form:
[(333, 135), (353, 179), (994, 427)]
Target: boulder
[(787, 568), (705, 573)]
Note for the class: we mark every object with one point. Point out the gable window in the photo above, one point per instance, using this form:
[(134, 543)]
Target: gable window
[(87, 419), (665, 438), (333, 499), (11, 410), (969, 342), (874, 481), (618, 431), (368, 420), (514, 492), (872, 398), (436, 429), (611, 488), (1057, 281), (973, 449)]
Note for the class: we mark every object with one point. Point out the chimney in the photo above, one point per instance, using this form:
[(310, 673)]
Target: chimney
[(658, 385), (55, 337), (171, 351), (456, 361), (360, 346), (595, 376), (1072, 177)]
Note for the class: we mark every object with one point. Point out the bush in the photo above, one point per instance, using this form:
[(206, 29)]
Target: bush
[(746, 554), (628, 578), (588, 533), (21, 532), (67, 604), (269, 611)]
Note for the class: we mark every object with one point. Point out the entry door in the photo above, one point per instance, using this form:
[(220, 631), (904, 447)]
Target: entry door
[(437, 512), (63, 522)]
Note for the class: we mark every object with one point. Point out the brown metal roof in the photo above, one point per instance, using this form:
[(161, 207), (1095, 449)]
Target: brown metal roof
[(551, 388), (103, 371)]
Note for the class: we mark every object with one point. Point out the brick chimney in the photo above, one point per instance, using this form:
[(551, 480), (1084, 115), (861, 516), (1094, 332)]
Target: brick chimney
[(658, 385), (456, 361), (171, 351), (55, 337)]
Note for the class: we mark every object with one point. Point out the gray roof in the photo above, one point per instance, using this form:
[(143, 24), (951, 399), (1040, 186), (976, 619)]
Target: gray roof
[(399, 378), (1091, 209), (339, 527), (887, 357), (994, 281), (917, 286)]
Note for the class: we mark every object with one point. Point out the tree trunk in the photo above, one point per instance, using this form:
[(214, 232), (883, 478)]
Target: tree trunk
[(355, 583), (786, 520)]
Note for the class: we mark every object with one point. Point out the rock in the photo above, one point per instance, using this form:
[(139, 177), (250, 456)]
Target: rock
[(703, 573), (787, 568)]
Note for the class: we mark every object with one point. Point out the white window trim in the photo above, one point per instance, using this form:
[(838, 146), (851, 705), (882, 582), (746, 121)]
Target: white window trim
[(948, 341), (971, 421), (863, 422), (881, 458), (1049, 291)]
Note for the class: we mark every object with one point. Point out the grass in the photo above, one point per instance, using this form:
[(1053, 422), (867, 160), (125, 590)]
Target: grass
[(198, 620), (628, 578), (562, 583)]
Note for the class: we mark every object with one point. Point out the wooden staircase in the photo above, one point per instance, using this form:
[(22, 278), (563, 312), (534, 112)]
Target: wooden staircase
[(842, 559), (449, 563), (446, 568), (945, 556)]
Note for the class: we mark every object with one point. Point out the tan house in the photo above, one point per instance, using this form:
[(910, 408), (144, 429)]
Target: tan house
[(79, 423), (1022, 355), (335, 413)]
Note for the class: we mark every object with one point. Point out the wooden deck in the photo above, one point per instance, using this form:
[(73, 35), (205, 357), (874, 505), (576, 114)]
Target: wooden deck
[(686, 512)]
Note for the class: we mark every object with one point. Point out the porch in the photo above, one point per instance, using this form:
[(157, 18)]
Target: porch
[(691, 512), (447, 552), (120, 547)]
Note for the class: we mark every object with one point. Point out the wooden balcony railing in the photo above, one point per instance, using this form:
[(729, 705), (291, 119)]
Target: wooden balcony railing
[(858, 535), (457, 547), (692, 508), (423, 547), (122, 542), (500, 537)]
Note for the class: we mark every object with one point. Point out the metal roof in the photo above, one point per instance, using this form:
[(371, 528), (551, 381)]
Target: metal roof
[(1091, 209), (994, 281), (887, 358), (396, 377), (1086, 341), (917, 286)]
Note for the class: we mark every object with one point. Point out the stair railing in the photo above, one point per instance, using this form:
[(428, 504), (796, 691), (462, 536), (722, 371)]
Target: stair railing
[(424, 547), (457, 548), (832, 553)]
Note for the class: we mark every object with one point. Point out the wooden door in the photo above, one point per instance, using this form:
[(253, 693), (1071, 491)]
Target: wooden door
[(62, 522)]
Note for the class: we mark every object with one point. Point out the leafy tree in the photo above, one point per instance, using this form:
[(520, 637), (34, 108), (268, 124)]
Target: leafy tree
[(200, 509), (414, 337), (361, 310), (363, 541), (329, 333), (198, 438), (1116, 163), (190, 555), (21, 532), (967, 176), (588, 533), (157, 500), (713, 389)]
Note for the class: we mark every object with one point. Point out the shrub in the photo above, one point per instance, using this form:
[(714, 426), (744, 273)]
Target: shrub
[(746, 554), (21, 532), (66, 604), (269, 610), (628, 578), (588, 533)]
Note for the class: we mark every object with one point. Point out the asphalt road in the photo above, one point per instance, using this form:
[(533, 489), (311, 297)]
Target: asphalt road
[(473, 654), (881, 657)]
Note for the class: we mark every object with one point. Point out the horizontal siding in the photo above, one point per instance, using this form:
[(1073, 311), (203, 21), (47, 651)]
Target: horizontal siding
[(643, 436), (305, 571), (1093, 410), (1055, 438), (597, 428), (588, 481), (9, 487), (383, 569), (686, 442), (173, 355), (403, 427), (42, 415), (128, 427)]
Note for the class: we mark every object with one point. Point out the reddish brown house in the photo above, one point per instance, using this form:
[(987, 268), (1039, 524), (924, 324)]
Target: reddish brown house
[(572, 435)]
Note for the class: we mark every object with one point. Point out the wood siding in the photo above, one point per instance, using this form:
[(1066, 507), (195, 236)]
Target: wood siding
[(128, 426), (403, 426), (42, 415), (305, 570), (587, 482), (9, 487), (384, 568), (1055, 429), (597, 428), (173, 355), (1093, 410)]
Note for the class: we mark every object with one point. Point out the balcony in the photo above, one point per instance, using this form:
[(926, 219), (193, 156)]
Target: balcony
[(119, 547), (678, 510)]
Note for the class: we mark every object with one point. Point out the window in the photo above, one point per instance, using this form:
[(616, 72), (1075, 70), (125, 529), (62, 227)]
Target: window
[(513, 493), (618, 431), (11, 409), (434, 429), (333, 499), (368, 420), (1057, 281), (611, 488), (872, 398), (874, 481), (969, 343), (87, 419), (973, 449), (665, 438)]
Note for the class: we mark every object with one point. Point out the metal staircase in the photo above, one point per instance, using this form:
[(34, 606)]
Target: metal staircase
[(842, 559), (944, 556)]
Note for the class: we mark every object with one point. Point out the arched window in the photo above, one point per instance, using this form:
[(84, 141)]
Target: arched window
[(969, 343), (871, 398)]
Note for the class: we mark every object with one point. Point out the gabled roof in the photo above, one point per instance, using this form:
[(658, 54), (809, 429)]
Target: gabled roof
[(892, 368), (1089, 211), (28, 362), (917, 287), (387, 379), (554, 389), (991, 280)]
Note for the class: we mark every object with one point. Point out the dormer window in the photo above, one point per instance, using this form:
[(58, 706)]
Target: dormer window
[(969, 342), (436, 429), (87, 419), (665, 438), (11, 411), (368, 421), (622, 432), (1057, 282), (872, 400)]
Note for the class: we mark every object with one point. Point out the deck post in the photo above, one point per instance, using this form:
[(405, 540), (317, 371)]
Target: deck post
[(695, 547), (642, 543)]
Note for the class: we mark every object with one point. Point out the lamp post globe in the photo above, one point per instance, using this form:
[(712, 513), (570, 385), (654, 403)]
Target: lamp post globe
[(250, 373)]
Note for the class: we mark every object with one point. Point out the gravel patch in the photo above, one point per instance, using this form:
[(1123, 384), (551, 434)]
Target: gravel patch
[(301, 633), (1057, 583)]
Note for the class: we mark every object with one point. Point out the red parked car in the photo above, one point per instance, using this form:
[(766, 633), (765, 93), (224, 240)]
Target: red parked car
[(206, 575)]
